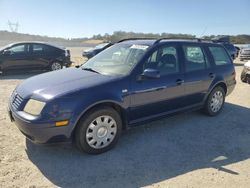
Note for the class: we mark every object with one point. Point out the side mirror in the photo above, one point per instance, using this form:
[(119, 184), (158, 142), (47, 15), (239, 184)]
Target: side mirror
[(6, 52), (150, 73)]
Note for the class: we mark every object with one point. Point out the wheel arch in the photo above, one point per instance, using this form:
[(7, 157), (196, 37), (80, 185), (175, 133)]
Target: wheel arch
[(221, 84), (116, 106)]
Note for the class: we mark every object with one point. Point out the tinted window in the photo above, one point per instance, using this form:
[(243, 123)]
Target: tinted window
[(164, 59), (229, 46), (50, 49), (18, 49), (37, 48), (195, 59), (220, 55)]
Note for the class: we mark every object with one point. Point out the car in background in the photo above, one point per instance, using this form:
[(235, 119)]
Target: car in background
[(237, 50), (231, 49), (132, 82), (245, 54), (245, 74), (89, 53), (33, 56), (225, 41)]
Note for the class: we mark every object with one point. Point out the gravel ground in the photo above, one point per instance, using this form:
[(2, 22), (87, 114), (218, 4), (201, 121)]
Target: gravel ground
[(187, 150)]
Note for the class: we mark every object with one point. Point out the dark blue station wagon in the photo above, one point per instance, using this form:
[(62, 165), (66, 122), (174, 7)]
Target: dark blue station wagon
[(133, 81)]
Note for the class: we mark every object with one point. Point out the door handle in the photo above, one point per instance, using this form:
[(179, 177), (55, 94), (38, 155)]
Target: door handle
[(211, 75), (179, 81)]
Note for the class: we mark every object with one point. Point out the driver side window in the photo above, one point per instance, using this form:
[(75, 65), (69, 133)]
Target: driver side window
[(17, 49), (164, 59)]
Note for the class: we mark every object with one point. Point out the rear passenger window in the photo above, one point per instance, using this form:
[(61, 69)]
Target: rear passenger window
[(195, 59), (37, 48), (220, 55)]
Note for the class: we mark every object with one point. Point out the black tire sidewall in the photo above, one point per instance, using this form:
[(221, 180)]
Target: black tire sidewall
[(208, 107), (80, 134)]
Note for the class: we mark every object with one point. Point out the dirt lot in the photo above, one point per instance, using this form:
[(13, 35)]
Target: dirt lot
[(188, 150)]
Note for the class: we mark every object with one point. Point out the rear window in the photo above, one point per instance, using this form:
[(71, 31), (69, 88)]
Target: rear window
[(220, 55)]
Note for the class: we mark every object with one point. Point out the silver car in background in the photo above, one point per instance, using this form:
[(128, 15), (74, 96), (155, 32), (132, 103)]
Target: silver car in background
[(245, 54)]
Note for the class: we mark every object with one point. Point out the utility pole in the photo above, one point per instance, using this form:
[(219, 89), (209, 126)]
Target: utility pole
[(13, 26)]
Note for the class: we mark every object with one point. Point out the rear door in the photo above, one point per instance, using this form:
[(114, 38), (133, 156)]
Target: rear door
[(199, 73), (40, 56)]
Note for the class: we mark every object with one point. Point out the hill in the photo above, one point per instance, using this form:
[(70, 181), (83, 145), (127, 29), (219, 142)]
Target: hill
[(10, 37)]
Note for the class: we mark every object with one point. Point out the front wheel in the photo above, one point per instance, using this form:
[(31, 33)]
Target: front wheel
[(215, 101), (56, 66), (98, 131)]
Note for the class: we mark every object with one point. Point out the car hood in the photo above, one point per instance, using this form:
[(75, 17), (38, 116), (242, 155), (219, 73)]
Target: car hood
[(57, 83)]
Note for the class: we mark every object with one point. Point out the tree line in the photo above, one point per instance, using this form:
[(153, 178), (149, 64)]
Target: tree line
[(119, 35), (8, 37)]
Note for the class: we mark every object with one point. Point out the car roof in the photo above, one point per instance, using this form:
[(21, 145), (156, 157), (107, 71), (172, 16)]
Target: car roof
[(151, 42), (36, 42), (148, 42)]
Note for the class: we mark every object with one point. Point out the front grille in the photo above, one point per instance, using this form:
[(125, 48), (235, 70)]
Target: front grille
[(16, 101)]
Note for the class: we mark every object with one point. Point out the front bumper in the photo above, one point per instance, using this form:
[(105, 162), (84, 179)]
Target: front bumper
[(41, 133), (67, 63)]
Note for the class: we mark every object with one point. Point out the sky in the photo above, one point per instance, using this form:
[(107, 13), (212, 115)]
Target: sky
[(85, 18)]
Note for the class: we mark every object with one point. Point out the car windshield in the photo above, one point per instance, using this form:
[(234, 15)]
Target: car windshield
[(2, 48), (116, 60)]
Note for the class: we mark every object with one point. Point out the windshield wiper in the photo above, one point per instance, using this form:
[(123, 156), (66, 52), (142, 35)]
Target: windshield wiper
[(90, 69)]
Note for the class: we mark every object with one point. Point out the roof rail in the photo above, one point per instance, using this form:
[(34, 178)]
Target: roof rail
[(197, 39), (166, 38), (136, 39)]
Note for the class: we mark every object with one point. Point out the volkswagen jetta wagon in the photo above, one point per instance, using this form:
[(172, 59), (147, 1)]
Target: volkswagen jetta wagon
[(133, 81)]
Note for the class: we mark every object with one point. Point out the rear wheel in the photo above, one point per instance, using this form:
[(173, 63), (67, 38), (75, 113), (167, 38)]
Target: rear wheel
[(215, 101), (56, 66), (98, 131)]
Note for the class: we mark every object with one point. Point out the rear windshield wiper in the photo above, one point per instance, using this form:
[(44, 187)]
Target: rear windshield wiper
[(90, 69)]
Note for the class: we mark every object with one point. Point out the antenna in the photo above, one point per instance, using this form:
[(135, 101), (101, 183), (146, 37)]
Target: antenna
[(13, 26), (202, 34)]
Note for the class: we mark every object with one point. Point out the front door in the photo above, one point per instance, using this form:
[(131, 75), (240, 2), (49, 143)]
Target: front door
[(152, 97), (18, 58)]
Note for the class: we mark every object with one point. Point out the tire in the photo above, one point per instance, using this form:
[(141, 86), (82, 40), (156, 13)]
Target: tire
[(98, 131), (215, 101), (55, 66)]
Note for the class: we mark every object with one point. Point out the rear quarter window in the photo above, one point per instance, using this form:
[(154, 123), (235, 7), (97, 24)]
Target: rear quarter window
[(220, 55), (52, 50)]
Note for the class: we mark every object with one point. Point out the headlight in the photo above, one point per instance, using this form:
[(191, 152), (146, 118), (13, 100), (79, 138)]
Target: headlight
[(34, 107)]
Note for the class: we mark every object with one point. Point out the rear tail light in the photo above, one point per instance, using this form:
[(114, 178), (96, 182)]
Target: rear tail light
[(67, 53)]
